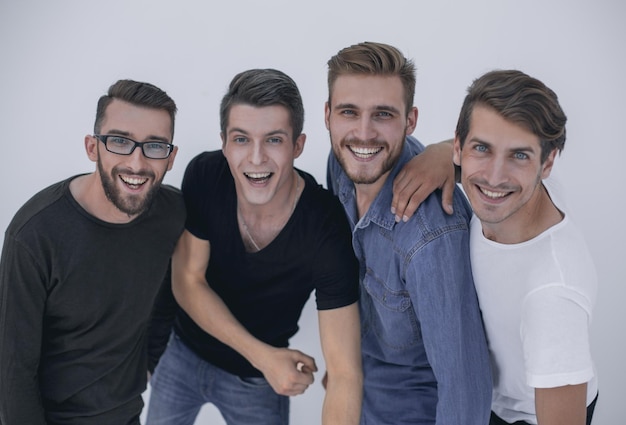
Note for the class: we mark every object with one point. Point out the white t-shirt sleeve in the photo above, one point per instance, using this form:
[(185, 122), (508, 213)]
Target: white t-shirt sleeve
[(555, 337)]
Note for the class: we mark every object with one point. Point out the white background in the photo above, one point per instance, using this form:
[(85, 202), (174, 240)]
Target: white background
[(58, 57)]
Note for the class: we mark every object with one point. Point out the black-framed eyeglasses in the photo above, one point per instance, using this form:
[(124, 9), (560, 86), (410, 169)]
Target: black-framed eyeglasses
[(125, 146)]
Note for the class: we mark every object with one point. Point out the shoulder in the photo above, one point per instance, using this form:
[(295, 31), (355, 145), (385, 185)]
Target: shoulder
[(319, 201), (205, 166), (206, 175), (173, 197), (432, 221), (37, 206), (572, 256), (207, 162), (415, 146)]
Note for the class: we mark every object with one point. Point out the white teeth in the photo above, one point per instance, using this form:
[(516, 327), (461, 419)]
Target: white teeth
[(133, 180), (493, 195), (257, 175), (362, 152)]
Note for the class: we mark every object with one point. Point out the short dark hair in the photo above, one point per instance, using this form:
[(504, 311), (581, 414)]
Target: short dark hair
[(264, 87), (520, 99), (371, 58), (136, 93)]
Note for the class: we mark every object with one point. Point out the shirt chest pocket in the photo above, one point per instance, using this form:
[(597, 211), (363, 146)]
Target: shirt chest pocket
[(390, 314)]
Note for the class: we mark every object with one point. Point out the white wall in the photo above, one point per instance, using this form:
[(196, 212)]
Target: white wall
[(58, 57)]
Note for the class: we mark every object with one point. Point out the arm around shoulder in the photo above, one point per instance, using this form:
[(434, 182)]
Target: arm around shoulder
[(430, 170)]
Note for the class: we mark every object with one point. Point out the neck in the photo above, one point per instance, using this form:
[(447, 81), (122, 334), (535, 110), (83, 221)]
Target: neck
[(366, 193), (259, 225)]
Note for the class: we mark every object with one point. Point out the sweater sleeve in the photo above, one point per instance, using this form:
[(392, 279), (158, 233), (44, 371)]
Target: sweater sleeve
[(22, 305), (161, 321)]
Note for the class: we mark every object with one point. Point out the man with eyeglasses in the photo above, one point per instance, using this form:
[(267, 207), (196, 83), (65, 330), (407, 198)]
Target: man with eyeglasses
[(82, 263)]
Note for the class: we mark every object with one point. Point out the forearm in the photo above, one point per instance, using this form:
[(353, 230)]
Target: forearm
[(20, 398), (21, 406), (566, 405), (342, 403), (160, 326), (340, 333), (21, 316)]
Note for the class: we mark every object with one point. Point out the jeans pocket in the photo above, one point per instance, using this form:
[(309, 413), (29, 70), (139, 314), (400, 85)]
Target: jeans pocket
[(253, 381), (391, 315)]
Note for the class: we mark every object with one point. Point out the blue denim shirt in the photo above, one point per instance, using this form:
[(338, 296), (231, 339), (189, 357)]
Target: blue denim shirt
[(425, 357)]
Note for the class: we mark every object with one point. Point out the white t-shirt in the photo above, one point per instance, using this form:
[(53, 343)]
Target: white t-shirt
[(536, 298)]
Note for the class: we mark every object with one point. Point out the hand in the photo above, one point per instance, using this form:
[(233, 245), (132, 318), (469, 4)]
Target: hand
[(289, 372), (430, 170)]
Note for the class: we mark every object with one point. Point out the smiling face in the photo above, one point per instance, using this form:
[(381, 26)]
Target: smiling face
[(501, 171), (259, 147), (367, 120), (130, 182)]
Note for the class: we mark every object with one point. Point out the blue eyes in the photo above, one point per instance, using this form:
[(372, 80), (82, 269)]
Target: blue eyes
[(271, 140), (378, 114), (516, 155)]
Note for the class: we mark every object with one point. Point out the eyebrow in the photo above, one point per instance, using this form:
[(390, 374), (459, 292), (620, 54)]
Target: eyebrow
[(387, 108), (127, 134), (271, 133)]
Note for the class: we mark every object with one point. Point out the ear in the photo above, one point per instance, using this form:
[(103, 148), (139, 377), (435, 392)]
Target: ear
[(91, 147), (299, 145), (327, 115), (548, 164), (456, 151), (223, 137), (171, 158), (411, 120)]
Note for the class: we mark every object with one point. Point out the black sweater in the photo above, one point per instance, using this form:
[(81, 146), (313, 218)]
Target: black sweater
[(76, 295)]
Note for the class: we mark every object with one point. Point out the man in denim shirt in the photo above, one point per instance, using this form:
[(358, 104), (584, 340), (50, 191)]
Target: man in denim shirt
[(425, 358)]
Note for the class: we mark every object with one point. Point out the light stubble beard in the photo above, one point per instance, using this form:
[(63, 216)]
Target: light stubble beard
[(364, 177)]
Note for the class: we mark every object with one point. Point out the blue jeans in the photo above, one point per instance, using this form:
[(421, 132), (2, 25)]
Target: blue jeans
[(183, 382)]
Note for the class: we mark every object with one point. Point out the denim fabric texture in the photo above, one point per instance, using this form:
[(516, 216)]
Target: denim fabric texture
[(425, 357), (183, 383)]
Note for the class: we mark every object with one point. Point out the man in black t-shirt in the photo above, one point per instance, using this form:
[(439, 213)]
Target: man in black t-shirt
[(260, 237)]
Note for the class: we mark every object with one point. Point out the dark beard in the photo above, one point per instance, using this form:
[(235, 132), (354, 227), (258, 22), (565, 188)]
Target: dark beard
[(131, 205)]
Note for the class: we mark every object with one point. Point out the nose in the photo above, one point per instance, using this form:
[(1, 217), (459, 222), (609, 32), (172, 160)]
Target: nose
[(257, 153), (496, 171), (136, 160), (365, 129)]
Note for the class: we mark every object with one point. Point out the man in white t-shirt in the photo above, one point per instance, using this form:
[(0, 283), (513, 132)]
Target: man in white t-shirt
[(535, 279)]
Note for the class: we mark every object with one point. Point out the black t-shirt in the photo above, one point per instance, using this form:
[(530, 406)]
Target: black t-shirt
[(266, 290)]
